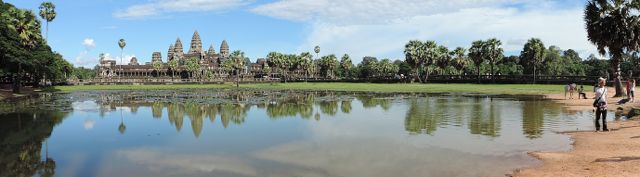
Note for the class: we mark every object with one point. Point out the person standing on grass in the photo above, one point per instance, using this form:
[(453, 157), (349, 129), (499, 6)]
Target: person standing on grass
[(600, 105), (632, 90)]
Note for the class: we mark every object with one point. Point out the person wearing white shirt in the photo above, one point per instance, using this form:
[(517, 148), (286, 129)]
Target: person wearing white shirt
[(600, 105)]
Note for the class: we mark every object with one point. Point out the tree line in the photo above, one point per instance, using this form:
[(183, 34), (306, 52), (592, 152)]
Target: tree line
[(25, 55)]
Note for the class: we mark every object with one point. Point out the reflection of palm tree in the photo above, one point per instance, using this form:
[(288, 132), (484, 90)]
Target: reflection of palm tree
[(419, 118), (329, 107), (345, 106), (122, 128), (484, 122), (532, 119)]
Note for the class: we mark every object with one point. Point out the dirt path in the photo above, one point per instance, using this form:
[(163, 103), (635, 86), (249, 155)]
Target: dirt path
[(597, 154)]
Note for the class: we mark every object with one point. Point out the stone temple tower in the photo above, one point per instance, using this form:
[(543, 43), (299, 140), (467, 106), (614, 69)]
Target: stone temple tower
[(177, 50), (170, 53), (211, 51), (196, 44), (156, 57), (224, 49)]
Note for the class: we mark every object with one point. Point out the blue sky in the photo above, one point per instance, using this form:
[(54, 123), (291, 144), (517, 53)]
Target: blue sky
[(84, 29)]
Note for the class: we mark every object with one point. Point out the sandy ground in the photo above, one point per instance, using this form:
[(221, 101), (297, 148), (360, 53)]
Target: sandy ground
[(25, 91), (597, 154)]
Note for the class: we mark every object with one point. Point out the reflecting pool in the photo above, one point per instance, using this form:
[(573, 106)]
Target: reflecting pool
[(277, 133)]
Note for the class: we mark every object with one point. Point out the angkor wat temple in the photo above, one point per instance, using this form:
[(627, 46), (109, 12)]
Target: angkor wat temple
[(209, 62)]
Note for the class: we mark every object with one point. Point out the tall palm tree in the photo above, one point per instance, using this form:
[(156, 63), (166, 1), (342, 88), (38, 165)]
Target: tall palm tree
[(460, 59), (121, 44), (317, 50), (493, 53), (414, 51), (346, 64), (477, 53), (237, 60), (533, 54), (444, 59), (27, 27), (173, 64), (306, 60), (430, 55), (274, 60), (48, 13), (612, 26)]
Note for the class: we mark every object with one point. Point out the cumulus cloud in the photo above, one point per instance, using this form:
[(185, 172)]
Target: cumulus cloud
[(89, 124), (89, 43), (381, 27), (159, 7)]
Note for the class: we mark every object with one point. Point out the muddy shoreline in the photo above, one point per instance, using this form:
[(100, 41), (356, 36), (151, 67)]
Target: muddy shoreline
[(614, 153)]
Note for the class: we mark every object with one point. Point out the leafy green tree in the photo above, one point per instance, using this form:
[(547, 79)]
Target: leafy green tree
[(368, 67), (274, 60), (23, 27), (533, 55), (48, 13), (612, 26)]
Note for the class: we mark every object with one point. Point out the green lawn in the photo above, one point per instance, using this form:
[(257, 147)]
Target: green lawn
[(512, 89)]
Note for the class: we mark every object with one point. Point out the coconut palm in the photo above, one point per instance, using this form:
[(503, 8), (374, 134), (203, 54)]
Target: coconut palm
[(477, 53), (460, 59), (48, 13), (613, 25), (346, 64), (27, 28), (533, 54), (192, 66), (493, 53), (414, 51)]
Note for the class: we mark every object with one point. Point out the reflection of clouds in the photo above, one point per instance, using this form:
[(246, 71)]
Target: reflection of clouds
[(372, 159), (181, 164), (85, 106), (89, 123)]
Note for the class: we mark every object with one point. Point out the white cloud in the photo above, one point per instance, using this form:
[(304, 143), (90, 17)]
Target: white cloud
[(158, 7), (381, 27), (89, 124), (89, 43)]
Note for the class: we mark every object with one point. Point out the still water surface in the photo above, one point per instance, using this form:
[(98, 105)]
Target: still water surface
[(268, 133)]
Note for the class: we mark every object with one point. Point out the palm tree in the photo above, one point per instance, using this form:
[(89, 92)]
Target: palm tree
[(192, 66), (237, 59), (48, 13), (533, 54), (477, 53), (444, 59), (121, 44), (329, 63), (157, 65), (612, 26), (413, 52), (173, 64), (346, 64), (274, 60), (317, 50), (430, 55), (306, 60), (27, 28), (493, 53), (460, 59)]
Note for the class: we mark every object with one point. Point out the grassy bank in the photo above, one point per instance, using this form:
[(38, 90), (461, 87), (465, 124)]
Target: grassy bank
[(367, 87)]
